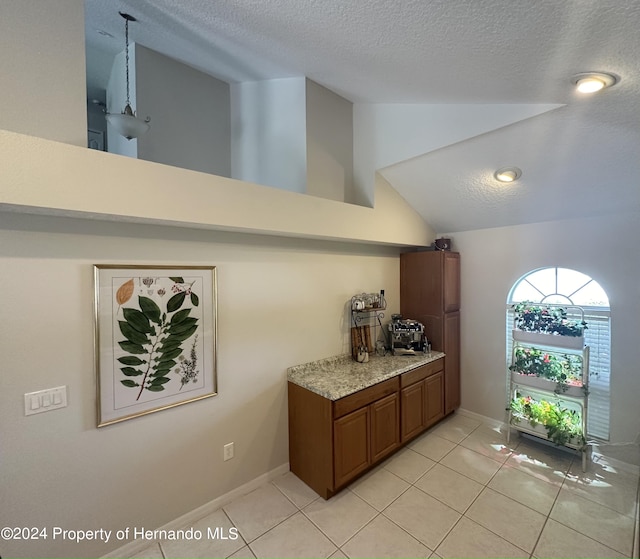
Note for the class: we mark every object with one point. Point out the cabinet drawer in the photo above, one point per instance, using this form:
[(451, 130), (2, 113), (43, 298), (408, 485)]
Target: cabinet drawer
[(364, 397), (407, 379)]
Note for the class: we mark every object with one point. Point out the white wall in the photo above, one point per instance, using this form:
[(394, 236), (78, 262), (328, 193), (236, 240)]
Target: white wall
[(268, 133), (605, 248), (190, 114), (42, 70), (281, 302), (329, 143)]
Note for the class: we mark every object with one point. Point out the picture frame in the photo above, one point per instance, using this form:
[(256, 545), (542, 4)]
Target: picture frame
[(155, 338)]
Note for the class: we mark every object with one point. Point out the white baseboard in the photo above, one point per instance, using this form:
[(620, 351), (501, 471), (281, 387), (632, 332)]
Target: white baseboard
[(191, 517)]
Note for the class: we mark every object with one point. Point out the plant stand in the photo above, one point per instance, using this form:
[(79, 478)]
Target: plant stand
[(569, 402)]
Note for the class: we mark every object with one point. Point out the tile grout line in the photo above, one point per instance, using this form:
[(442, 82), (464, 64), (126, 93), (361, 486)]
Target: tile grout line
[(485, 486), (412, 484), (246, 543), (586, 499), (548, 516)]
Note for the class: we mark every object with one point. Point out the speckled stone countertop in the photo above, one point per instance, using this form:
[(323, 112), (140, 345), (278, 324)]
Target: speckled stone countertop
[(339, 376)]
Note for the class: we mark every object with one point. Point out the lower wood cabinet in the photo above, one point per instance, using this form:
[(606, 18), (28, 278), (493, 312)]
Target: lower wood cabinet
[(384, 430), (333, 442), (364, 437), (351, 443), (422, 399)]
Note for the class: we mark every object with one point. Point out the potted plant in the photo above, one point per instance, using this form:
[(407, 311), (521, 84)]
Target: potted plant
[(564, 370), (547, 325), (562, 425)]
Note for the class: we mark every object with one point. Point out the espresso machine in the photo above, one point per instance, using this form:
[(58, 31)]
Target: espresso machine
[(407, 336)]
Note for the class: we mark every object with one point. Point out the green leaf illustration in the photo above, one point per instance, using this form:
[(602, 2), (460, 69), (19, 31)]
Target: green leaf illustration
[(156, 340), (169, 344), (182, 336), (138, 320), (132, 348), (163, 368), (132, 334), (131, 360), (177, 280), (176, 301), (182, 326), (180, 316), (172, 354), (131, 372), (155, 388), (150, 309)]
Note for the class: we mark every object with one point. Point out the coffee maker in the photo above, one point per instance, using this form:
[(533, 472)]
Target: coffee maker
[(407, 336)]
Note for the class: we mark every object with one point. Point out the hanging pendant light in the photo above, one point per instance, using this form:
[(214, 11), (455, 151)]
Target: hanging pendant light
[(126, 123)]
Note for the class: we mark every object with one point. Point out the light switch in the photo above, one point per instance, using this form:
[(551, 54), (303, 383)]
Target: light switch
[(45, 400)]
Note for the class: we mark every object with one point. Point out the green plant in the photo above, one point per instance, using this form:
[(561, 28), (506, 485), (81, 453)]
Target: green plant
[(562, 424), (546, 319), (564, 369), (153, 337)]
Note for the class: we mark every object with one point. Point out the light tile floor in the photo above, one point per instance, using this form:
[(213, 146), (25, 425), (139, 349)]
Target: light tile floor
[(456, 491)]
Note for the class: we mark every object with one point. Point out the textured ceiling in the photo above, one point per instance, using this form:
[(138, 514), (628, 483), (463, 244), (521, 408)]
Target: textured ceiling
[(580, 160)]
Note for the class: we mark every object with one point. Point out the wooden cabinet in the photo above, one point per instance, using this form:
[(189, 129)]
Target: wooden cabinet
[(332, 442), (434, 409), (384, 429), (351, 445), (412, 399), (422, 399), (364, 437), (451, 348), (430, 282), (430, 294)]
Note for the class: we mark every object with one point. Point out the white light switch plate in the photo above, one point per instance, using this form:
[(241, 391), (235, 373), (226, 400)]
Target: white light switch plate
[(45, 400)]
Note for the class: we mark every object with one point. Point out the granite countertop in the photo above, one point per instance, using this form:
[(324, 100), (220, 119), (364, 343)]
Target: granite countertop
[(339, 376)]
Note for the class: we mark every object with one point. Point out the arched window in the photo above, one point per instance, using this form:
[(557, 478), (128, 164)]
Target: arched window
[(562, 286)]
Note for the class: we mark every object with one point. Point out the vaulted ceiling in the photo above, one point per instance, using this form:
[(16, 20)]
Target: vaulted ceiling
[(580, 156)]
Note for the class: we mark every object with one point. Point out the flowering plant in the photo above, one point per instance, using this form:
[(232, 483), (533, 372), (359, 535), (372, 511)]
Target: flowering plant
[(562, 368), (546, 320), (563, 425)]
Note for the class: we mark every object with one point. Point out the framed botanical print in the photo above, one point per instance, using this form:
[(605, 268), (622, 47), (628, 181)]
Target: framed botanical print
[(155, 338)]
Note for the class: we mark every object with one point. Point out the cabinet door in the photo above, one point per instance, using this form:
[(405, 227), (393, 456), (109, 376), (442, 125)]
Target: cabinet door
[(420, 284), (451, 282), (351, 445), (412, 403), (433, 399), (451, 326), (385, 426)]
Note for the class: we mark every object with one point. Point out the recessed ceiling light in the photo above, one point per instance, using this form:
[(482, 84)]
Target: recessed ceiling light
[(508, 174), (590, 82)]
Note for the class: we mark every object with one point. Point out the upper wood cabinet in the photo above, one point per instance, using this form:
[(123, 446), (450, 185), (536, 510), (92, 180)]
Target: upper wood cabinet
[(430, 294), (429, 283)]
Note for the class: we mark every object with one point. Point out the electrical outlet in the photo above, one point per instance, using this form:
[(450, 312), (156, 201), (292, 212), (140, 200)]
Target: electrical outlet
[(227, 451)]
